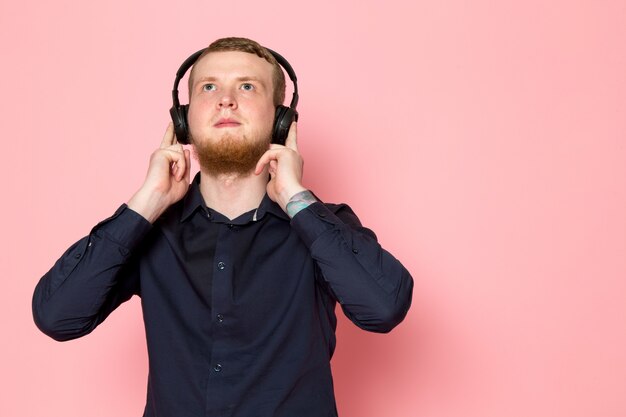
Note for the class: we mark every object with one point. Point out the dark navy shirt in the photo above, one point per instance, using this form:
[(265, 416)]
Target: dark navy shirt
[(239, 314)]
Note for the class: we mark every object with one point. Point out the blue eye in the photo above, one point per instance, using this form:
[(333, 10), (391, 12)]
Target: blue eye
[(247, 87), (208, 87)]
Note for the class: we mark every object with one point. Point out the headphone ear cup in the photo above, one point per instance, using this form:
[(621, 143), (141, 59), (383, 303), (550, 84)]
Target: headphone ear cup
[(179, 118), (282, 122)]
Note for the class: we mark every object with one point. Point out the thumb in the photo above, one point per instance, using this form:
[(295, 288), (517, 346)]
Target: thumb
[(292, 137)]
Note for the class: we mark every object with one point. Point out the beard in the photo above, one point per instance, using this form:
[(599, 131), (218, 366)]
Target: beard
[(230, 154)]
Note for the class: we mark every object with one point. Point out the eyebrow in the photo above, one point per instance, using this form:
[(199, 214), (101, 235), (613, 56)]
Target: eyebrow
[(242, 78)]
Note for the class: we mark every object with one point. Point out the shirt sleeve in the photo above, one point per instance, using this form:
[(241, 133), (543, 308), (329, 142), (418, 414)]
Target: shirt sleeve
[(373, 288), (92, 278)]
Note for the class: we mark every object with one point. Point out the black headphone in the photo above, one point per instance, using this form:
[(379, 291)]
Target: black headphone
[(283, 118)]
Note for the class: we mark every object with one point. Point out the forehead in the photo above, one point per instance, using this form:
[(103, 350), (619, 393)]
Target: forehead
[(232, 64)]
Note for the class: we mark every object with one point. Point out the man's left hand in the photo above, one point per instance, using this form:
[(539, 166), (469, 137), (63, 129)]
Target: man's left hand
[(285, 169)]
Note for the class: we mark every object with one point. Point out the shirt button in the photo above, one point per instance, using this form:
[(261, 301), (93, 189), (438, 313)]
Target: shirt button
[(221, 265), (355, 251), (220, 318), (217, 367), (231, 226)]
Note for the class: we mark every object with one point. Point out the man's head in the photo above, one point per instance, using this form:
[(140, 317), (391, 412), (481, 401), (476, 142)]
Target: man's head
[(233, 90), (251, 47)]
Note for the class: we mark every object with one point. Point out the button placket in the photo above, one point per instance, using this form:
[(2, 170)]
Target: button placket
[(220, 301)]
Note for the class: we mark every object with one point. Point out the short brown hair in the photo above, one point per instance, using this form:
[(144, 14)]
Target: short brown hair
[(251, 47)]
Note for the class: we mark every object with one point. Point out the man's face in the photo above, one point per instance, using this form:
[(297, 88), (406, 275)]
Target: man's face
[(231, 111)]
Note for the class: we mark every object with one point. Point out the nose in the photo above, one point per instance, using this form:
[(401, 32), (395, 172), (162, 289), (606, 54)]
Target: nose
[(227, 100)]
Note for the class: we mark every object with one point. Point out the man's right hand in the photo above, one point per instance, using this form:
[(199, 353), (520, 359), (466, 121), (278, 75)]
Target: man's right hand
[(167, 180)]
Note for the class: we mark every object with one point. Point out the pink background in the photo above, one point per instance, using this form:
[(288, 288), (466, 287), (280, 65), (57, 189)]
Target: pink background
[(483, 141)]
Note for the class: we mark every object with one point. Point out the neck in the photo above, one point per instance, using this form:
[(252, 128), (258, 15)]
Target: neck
[(232, 194)]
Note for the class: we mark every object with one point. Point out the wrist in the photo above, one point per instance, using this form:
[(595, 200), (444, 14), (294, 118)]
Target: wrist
[(285, 194), (298, 202), (150, 205)]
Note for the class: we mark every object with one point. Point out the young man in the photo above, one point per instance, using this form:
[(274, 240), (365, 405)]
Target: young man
[(239, 272)]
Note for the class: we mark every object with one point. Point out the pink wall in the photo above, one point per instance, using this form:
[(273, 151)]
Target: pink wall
[(483, 141)]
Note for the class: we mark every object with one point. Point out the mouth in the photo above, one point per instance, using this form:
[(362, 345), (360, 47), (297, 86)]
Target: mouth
[(226, 123)]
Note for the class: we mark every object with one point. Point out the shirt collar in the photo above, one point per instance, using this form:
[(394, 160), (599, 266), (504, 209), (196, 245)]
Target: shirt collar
[(194, 201), (267, 206)]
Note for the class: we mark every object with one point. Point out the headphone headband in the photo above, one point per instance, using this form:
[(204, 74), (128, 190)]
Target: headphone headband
[(181, 73)]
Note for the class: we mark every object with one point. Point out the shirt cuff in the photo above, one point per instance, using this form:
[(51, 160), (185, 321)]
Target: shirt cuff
[(313, 221)]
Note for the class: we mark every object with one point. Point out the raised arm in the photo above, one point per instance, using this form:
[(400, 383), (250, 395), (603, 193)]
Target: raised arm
[(372, 286), (98, 273)]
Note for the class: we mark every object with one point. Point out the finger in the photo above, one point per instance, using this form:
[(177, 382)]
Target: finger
[(273, 165), (177, 147), (168, 137), (172, 158), (269, 155), (181, 167), (188, 164), (292, 140)]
